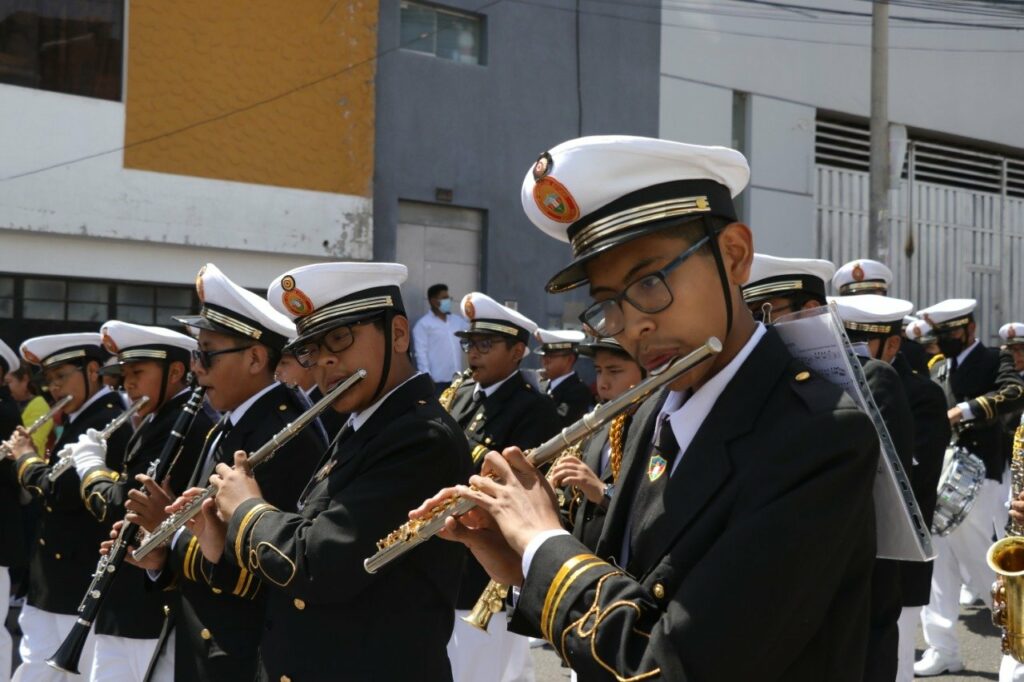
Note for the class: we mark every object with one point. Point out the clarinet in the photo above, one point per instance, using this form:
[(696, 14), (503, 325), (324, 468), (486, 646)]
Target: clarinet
[(166, 530), (67, 656)]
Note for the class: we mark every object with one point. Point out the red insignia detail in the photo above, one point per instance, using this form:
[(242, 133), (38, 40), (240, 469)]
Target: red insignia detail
[(858, 273), (31, 357), (555, 201), (543, 166), (469, 309), (656, 467), (108, 343), (296, 301)]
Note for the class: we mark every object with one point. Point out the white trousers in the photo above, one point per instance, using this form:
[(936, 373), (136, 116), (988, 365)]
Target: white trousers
[(961, 558), (1010, 670), (6, 644), (493, 656), (910, 619), (42, 633), (122, 659)]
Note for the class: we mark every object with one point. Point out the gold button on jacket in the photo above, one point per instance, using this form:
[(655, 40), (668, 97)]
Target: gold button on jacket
[(205, 634), (659, 590)]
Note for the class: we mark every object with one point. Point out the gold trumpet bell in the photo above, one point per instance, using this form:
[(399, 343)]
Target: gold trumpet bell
[(1006, 558)]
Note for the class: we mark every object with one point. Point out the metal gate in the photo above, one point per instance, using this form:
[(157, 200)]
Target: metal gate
[(957, 227)]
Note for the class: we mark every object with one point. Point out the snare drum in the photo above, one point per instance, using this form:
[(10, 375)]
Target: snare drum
[(963, 474)]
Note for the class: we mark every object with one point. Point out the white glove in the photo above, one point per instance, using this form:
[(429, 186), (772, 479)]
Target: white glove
[(89, 452)]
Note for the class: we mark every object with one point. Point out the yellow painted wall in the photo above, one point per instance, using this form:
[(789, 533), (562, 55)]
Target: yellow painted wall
[(276, 92)]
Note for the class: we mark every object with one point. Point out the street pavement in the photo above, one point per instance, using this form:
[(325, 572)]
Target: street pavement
[(979, 642)]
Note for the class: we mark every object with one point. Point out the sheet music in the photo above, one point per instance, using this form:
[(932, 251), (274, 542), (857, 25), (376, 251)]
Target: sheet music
[(817, 337)]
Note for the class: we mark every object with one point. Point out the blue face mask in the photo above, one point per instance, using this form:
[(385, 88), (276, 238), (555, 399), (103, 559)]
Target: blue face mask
[(445, 305)]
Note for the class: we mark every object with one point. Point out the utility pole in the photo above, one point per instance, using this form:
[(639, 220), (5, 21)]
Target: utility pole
[(878, 213)]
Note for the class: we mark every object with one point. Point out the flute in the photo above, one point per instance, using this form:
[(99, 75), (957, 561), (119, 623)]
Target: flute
[(413, 533), (5, 451), (169, 526), (66, 461)]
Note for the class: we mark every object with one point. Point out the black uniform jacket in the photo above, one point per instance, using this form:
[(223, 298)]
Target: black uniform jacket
[(987, 381), (931, 436), (323, 609), (514, 415), (766, 526), (332, 421), (12, 538), (69, 536), (129, 610), (886, 582), (572, 398), (221, 616)]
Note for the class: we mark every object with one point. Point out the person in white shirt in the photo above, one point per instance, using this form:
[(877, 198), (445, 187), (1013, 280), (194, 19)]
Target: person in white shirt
[(433, 337)]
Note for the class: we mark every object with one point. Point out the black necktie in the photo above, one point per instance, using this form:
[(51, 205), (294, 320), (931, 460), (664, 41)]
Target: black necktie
[(647, 502), (216, 454)]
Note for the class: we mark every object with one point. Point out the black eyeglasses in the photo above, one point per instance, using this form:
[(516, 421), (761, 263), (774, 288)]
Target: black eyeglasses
[(204, 358), (649, 294), (336, 340), (483, 345)]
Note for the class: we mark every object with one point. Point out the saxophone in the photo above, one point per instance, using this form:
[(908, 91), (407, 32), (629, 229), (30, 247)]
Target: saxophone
[(1006, 558), (448, 394)]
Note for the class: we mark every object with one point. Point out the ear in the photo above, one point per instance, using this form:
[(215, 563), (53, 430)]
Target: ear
[(176, 373), (258, 358), (400, 334), (737, 245), (519, 351), (892, 345), (92, 370)]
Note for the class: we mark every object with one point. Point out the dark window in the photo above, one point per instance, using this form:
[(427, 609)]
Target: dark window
[(69, 46), (44, 299), (6, 297), (152, 305), (442, 33)]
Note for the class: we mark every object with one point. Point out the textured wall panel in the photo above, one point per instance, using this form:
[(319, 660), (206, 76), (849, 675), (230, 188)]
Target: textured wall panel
[(256, 91)]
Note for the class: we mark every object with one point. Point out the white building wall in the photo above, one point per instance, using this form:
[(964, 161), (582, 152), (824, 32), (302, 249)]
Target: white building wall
[(955, 81), (62, 177)]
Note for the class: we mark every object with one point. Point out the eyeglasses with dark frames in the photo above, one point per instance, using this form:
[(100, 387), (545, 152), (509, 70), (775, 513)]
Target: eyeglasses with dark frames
[(649, 294), (336, 340), (204, 358), (482, 344)]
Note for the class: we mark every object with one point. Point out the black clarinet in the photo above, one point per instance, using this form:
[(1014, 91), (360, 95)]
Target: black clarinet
[(67, 656)]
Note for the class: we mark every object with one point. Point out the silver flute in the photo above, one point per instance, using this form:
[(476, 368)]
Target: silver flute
[(413, 533), (5, 451), (66, 461), (169, 526)]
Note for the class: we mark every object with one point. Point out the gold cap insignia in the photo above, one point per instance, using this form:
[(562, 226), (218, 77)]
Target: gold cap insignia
[(858, 273), (468, 308), (287, 282), (108, 343), (917, 331), (296, 301), (31, 357), (1011, 332)]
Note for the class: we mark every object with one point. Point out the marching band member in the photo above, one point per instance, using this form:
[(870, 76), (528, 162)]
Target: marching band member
[(219, 624), (792, 284), (596, 473), (558, 351), (497, 408), (876, 321), (398, 443), (745, 503), (61, 568), (12, 543), (153, 362), (980, 384)]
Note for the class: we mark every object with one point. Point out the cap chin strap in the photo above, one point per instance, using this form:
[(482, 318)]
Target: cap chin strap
[(389, 316), (84, 369), (717, 252)]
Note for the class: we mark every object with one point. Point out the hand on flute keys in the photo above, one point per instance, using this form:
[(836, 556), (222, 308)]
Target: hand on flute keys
[(573, 472), (20, 443), (514, 504), (208, 528)]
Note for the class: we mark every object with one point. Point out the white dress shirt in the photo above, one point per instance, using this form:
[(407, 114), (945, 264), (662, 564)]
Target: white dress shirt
[(437, 348)]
